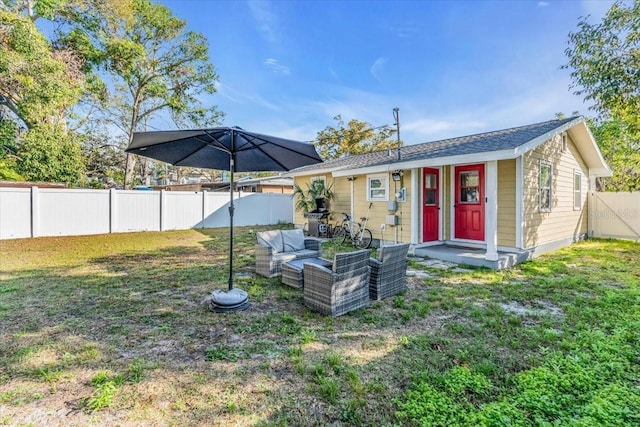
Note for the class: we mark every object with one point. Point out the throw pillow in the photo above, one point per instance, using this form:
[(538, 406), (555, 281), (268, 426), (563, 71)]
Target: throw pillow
[(272, 238), (293, 240)]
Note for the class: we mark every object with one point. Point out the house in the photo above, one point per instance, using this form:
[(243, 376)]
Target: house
[(269, 184), (491, 199)]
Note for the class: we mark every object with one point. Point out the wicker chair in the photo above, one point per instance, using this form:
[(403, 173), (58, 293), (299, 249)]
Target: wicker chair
[(341, 289), (388, 271), (276, 247)]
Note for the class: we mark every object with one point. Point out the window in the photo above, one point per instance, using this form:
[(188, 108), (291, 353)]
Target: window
[(564, 143), (430, 189), (470, 187), (377, 187), (577, 190), (545, 187), (318, 178)]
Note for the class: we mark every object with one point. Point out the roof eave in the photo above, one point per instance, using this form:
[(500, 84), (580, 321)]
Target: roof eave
[(579, 130), (429, 162)]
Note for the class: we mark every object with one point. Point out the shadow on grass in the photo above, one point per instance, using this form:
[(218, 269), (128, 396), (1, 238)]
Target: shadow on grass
[(279, 363)]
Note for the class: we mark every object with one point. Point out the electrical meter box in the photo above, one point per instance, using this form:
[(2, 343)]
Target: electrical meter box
[(392, 219)]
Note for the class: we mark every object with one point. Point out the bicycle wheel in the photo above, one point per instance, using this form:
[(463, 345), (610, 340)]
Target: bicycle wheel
[(364, 240), (339, 234)]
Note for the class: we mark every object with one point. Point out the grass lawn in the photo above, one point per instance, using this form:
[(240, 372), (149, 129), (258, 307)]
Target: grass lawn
[(115, 330)]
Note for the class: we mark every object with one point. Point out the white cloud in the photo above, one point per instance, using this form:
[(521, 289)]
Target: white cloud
[(241, 98), (543, 3), (276, 67), (404, 31), (440, 127), (378, 67), (265, 19)]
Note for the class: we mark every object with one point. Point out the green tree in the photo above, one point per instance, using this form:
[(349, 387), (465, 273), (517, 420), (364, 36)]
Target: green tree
[(8, 150), (50, 154), (604, 59), (37, 83), (157, 67), (620, 147), (38, 86), (356, 138), (104, 158)]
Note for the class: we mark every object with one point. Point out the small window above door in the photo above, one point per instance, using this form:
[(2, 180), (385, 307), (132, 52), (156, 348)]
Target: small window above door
[(469, 187)]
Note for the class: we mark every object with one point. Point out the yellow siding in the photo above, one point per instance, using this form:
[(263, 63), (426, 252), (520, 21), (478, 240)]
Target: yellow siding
[(563, 221), (445, 183), (378, 213), (507, 203), (404, 208), (342, 198)]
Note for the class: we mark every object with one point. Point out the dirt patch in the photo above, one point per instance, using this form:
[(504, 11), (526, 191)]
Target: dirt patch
[(537, 308)]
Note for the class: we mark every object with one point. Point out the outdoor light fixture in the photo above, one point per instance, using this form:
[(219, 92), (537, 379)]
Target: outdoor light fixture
[(397, 175)]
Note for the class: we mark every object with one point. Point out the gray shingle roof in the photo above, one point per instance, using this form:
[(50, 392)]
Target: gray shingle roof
[(498, 140)]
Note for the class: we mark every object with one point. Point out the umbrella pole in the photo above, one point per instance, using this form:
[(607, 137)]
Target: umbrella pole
[(231, 208), (233, 299)]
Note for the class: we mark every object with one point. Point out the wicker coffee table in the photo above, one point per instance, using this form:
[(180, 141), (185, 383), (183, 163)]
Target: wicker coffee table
[(292, 271)]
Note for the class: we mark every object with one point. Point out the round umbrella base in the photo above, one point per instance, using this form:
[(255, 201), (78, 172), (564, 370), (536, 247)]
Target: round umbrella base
[(233, 300)]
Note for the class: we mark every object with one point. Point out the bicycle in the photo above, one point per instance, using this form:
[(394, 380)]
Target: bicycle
[(358, 232)]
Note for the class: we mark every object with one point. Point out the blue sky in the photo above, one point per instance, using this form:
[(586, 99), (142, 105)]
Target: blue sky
[(453, 68)]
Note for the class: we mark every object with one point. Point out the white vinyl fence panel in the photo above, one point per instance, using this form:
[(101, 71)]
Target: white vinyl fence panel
[(614, 215), (182, 209), (66, 212), (33, 212), (136, 211), (15, 213)]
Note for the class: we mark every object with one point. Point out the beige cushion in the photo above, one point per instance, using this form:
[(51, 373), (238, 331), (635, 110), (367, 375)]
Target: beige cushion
[(272, 238), (293, 240)]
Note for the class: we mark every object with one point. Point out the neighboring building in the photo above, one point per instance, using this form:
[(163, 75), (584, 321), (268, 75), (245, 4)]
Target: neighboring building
[(26, 184), (490, 199), (270, 184)]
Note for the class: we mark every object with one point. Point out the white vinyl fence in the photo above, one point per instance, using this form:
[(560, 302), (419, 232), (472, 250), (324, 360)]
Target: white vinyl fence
[(614, 215), (34, 212)]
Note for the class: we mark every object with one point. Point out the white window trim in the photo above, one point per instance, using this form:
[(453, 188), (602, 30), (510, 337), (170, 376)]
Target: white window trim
[(565, 142), (540, 209), (577, 192), (318, 178), (386, 188)]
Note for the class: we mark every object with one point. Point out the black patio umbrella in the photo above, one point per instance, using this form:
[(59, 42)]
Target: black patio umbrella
[(225, 148)]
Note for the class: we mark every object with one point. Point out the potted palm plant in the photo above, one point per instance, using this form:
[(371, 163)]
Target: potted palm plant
[(305, 201)]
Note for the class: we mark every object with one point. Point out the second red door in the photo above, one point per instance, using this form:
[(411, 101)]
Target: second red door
[(469, 202)]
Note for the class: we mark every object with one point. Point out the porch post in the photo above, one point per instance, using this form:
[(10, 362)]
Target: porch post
[(415, 205), (491, 210)]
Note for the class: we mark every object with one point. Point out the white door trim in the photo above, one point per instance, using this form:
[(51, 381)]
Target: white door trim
[(491, 209)]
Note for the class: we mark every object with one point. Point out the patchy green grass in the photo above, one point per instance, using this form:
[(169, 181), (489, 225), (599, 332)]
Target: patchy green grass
[(115, 330)]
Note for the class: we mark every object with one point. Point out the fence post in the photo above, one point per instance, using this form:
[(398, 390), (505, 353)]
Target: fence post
[(35, 213), (113, 210), (163, 208), (204, 208)]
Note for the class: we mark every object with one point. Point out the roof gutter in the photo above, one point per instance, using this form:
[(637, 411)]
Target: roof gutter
[(436, 161)]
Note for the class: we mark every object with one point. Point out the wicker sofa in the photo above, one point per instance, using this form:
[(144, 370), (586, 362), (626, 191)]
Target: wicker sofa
[(388, 271), (276, 247), (340, 289)]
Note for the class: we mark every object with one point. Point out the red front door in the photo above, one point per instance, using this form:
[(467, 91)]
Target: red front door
[(431, 204), (469, 202)]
